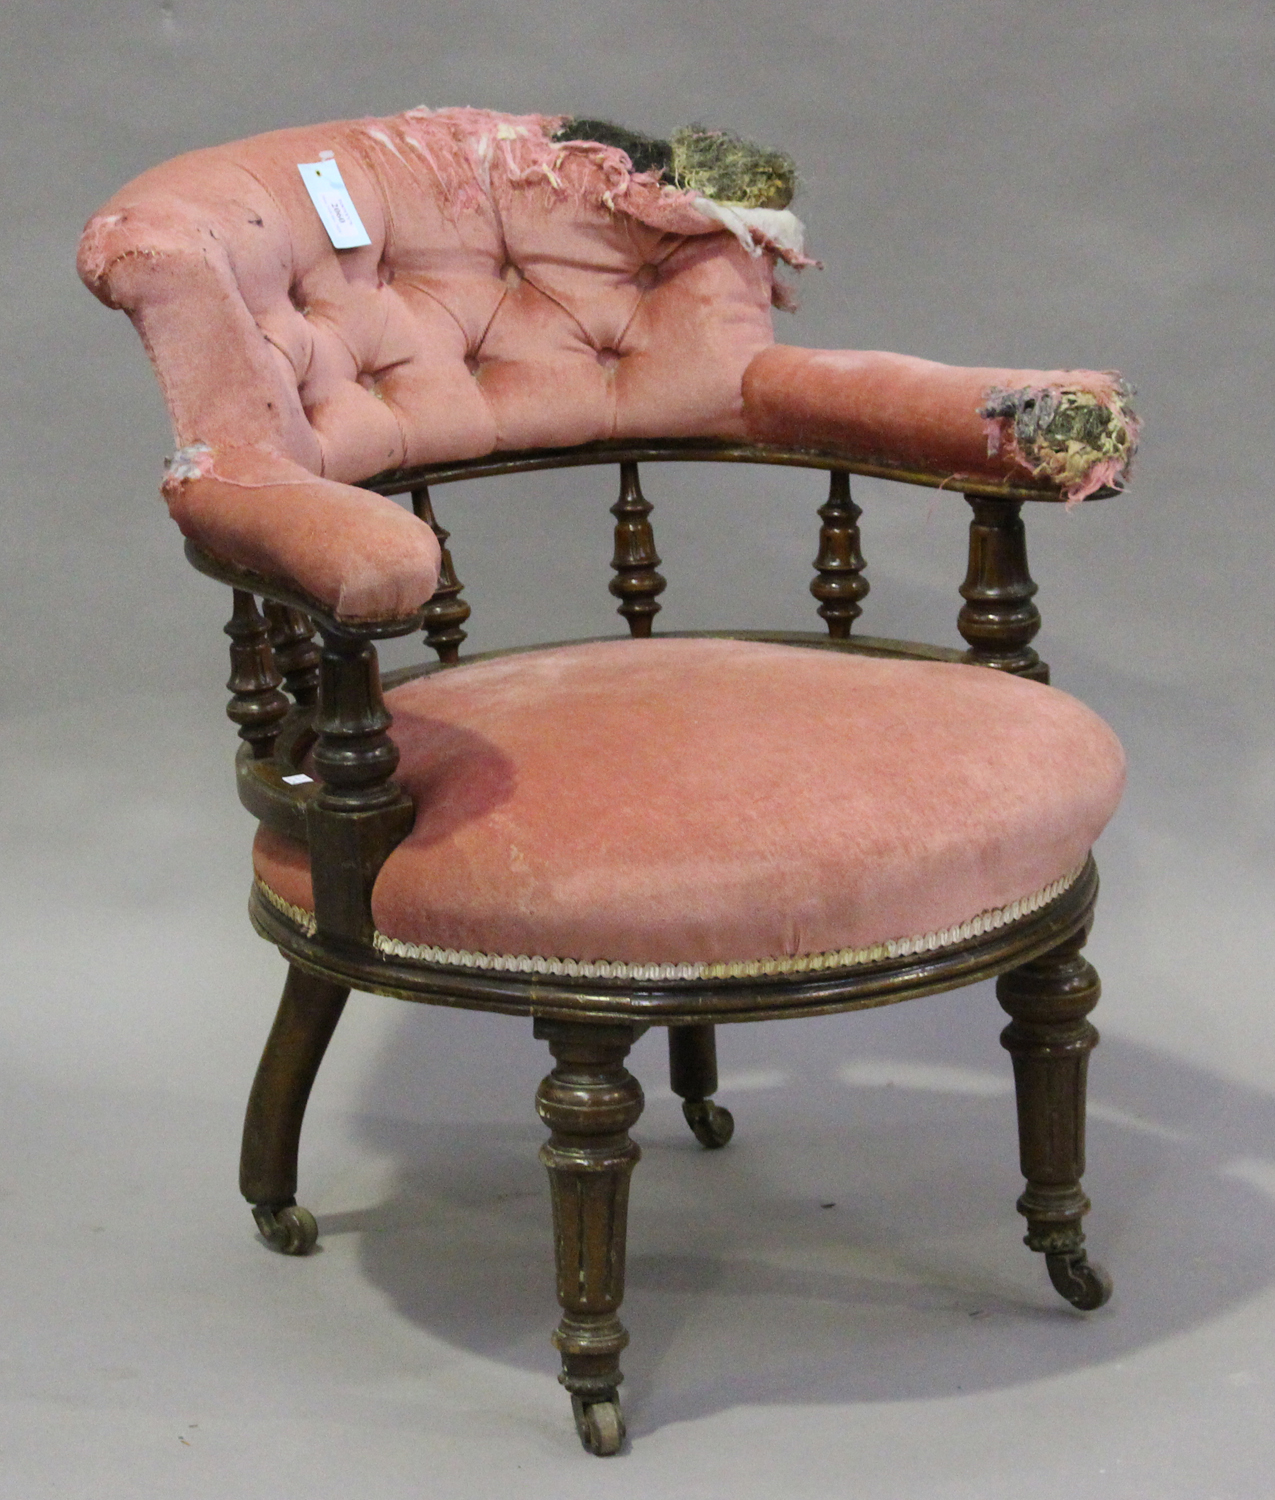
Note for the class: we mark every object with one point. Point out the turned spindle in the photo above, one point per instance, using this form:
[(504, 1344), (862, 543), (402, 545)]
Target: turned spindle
[(256, 704), (998, 619), (354, 754), (839, 583), (446, 611), (358, 814), (295, 652), (637, 583)]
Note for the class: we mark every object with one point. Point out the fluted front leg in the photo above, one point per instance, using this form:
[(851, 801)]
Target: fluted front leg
[(1050, 1040), (589, 1102)]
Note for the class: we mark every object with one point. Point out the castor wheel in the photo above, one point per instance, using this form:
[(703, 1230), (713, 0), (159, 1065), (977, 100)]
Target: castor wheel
[(600, 1425), (712, 1123), (1083, 1284), (286, 1227)]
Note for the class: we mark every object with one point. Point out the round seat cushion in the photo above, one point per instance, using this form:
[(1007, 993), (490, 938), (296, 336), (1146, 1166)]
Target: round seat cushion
[(697, 802)]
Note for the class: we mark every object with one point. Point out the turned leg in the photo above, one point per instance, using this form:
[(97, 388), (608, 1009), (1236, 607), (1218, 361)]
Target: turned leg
[(589, 1102), (692, 1065), (308, 1013), (1050, 1041)]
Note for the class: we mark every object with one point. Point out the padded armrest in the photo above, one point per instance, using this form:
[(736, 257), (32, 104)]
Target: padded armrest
[(1069, 430), (361, 555)]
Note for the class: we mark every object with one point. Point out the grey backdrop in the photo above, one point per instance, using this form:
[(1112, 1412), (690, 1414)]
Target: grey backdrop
[(987, 182)]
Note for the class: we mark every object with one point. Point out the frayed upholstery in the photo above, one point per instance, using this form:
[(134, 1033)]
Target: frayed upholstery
[(758, 230), (195, 461), (521, 290), (899, 410), (1081, 440), (721, 166), (518, 292)]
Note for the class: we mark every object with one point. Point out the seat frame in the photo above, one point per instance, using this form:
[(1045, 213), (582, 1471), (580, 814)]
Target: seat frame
[(293, 699)]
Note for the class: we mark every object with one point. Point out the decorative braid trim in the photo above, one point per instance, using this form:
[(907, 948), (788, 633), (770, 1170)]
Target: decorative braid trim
[(297, 914), (753, 968)]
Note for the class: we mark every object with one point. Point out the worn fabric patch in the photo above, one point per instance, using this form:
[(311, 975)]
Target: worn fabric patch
[(718, 165), (714, 164), (1081, 440)]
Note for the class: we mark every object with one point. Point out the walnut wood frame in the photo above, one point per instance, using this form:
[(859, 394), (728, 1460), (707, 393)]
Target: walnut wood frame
[(352, 817)]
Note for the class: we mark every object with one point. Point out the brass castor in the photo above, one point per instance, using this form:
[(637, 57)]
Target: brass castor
[(600, 1425), (1083, 1284), (712, 1123), (286, 1227)]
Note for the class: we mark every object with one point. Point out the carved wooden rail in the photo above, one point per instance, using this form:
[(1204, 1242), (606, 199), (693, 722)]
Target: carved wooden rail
[(998, 620)]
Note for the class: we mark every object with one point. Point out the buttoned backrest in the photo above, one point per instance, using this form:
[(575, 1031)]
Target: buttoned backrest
[(516, 293)]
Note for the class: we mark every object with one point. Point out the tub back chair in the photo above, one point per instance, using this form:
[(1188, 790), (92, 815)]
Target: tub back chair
[(674, 831)]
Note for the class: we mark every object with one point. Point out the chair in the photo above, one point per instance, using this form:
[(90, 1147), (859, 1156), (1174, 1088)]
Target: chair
[(676, 831)]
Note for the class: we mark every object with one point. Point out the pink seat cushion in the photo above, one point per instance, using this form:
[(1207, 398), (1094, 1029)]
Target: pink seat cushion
[(707, 801)]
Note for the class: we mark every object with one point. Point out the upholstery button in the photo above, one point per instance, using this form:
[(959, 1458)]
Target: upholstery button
[(646, 276), (608, 358), (471, 363), (510, 275)]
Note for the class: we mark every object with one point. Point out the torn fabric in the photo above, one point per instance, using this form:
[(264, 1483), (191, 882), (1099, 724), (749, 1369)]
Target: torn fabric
[(1079, 439)]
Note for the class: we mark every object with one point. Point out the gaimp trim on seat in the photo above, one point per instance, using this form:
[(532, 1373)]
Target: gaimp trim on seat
[(753, 968)]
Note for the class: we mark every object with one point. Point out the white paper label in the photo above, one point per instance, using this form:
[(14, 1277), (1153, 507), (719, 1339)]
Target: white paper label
[(333, 203), (299, 779)]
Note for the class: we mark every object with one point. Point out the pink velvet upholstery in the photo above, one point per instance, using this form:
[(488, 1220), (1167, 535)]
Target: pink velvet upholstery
[(899, 409), (362, 555), (492, 309), (503, 303), (699, 801), (517, 293)]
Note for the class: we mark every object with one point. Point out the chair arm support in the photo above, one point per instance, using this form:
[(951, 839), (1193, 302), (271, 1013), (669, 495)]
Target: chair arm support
[(358, 814), (352, 559), (1069, 432), (355, 814), (999, 619)]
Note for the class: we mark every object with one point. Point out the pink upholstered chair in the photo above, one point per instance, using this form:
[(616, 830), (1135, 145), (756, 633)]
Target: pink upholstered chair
[(609, 835)]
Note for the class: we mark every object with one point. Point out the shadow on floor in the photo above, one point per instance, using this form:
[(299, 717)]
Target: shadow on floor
[(858, 1240)]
